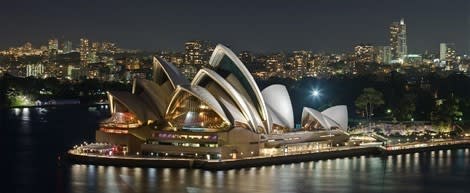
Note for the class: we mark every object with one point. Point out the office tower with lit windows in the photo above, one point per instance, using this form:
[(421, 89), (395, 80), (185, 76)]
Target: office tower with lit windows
[(447, 52), (364, 53), (67, 47), (196, 52), (84, 51), (275, 65), (398, 39), (53, 46), (108, 47), (448, 56), (300, 63), (383, 54), (95, 48)]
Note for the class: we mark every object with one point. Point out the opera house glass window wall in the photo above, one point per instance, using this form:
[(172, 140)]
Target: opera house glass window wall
[(223, 101), (188, 112)]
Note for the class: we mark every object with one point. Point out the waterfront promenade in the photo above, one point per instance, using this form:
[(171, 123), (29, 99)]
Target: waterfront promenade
[(74, 156)]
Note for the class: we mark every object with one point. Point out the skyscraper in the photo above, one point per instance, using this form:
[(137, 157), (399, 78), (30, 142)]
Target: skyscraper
[(442, 51), (447, 53), (398, 39), (196, 52), (53, 46), (383, 54), (66, 47), (84, 51), (300, 63)]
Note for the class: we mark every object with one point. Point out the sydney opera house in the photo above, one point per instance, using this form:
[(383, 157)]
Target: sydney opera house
[(221, 113)]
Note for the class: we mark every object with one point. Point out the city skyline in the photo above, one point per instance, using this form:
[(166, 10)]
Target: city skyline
[(284, 26)]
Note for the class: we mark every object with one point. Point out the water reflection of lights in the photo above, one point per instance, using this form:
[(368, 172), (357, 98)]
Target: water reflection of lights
[(152, 173), (100, 169), (220, 179), (407, 159), (16, 111), (363, 163), (125, 170), (166, 174), (91, 169), (111, 181), (310, 165), (138, 174), (467, 157), (337, 162), (25, 114), (231, 175), (207, 179), (42, 111)]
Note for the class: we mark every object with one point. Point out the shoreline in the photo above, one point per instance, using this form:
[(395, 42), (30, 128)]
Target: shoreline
[(128, 161)]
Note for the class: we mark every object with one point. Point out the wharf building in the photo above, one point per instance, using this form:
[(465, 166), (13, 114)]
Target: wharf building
[(220, 114)]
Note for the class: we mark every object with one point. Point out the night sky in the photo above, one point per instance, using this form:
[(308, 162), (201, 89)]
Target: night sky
[(260, 26)]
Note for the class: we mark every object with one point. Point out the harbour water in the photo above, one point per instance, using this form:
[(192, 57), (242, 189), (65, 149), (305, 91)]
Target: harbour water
[(32, 140)]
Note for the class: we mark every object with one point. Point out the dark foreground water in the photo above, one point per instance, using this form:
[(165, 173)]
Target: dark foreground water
[(32, 139)]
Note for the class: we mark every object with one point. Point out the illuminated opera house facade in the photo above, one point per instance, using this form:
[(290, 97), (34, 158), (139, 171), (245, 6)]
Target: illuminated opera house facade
[(221, 113)]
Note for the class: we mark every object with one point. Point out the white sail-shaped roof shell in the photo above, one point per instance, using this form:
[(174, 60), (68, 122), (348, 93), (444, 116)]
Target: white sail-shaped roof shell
[(339, 114), (243, 106), (279, 105), (165, 71), (223, 59), (334, 117), (315, 114)]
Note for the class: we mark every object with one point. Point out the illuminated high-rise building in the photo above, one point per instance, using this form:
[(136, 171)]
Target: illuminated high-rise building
[(383, 54), (448, 56), (447, 52), (66, 47), (108, 47), (442, 51), (364, 53), (84, 51), (300, 62), (53, 46), (398, 39), (196, 52), (95, 48), (275, 65), (35, 70)]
